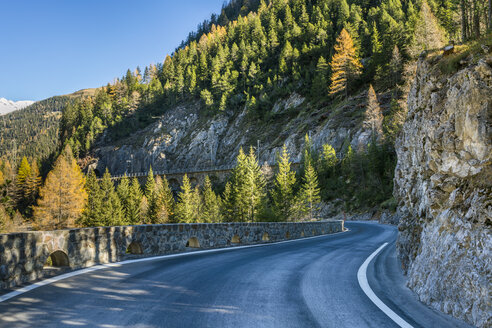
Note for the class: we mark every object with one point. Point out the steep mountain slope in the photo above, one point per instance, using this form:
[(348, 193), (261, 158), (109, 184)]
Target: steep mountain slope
[(33, 131), (186, 138), (443, 182), (7, 106)]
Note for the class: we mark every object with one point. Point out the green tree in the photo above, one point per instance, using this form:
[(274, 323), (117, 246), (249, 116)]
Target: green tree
[(150, 192), (92, 215), (111, 213), (166, 201), (309, 197), (23, 174), (228, 204), (185, 207), (328, 159), (320, 83), (133, 203), (283, 193), (211, 211), (254, 187)]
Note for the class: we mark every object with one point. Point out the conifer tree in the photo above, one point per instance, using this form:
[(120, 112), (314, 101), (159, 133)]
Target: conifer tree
[(328, 158), (373, 116), (228, 206), (133, 204), (23, 174), (283, 193), (238, 191), (309, 194), (320, 84), (144, 210), (33, 183), (166, 204), (150, 192), (345, 64), (111, 213), (428, 32), (211, 211), (123, 191), (307, 156), (185, 207), (254, 187), (63, 196), (92, 211)]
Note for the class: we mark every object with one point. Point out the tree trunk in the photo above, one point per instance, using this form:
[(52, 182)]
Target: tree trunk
[(476, 19), (490, 14), (463, 21)]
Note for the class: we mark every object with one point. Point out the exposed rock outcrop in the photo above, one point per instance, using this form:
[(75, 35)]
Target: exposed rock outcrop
[(443, 183), (187, 137)]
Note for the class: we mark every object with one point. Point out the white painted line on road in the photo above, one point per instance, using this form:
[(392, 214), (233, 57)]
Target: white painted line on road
[(146, 259), (364, 284)]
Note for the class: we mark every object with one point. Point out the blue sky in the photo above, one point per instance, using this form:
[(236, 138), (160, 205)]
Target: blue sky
[(54, 47)]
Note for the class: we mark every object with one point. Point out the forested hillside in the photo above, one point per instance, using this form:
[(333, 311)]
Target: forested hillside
[(32, 131), (264, 69)]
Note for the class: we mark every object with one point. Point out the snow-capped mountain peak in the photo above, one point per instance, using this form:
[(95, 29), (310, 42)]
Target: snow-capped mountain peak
[(7, 106)]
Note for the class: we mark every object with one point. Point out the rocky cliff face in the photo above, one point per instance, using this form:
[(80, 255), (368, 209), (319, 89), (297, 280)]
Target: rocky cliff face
[(189, 138), (443, 183)]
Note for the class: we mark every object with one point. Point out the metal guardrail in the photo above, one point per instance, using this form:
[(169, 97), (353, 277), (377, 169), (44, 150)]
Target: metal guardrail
[(187, 171)]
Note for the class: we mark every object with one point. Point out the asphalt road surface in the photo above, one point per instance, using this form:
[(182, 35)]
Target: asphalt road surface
[(304, 283)]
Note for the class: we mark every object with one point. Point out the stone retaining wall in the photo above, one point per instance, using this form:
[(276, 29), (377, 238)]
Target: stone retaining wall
[(23, 256)]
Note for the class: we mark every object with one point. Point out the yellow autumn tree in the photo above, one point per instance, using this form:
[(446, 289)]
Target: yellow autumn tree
[(345, 64), (63, 196)]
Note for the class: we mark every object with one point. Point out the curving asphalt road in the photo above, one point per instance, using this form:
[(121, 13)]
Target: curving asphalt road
[(304, 283)]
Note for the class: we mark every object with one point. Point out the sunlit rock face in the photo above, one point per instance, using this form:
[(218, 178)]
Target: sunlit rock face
[(187, 137), (443, 184)]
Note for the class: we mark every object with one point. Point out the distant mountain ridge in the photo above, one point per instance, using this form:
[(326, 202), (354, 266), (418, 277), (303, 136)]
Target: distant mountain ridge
[(7, 106)]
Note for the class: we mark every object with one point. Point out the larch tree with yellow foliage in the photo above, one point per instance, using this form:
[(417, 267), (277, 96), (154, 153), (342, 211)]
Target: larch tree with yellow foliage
[(345, 64), (63, 196)]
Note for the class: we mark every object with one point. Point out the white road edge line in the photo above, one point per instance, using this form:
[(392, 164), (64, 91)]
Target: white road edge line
[(364, 284), (147, 259)]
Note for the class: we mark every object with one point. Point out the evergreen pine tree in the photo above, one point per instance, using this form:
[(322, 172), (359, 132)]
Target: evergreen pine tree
[(309, 194), (320, 83), (111, 213), (211, 203), (228, 206), (185, 211), (166, 204), (254, 187), (31, 187), (133, 204), (150, 192), (92, 211), (123, 191), (23, 174), (328, 159), (283, 194)]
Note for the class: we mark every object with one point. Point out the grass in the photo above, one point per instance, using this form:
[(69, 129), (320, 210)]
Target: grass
[(451, 63)]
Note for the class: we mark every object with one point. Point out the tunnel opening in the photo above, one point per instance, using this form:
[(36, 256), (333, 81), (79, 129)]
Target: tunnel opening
[(134, 248), (57, 259), (265, 237), (235, 239), (193, 243)]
